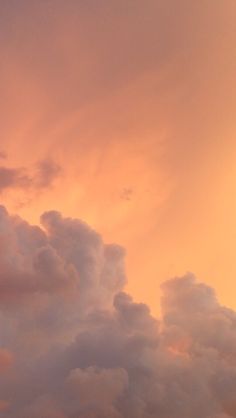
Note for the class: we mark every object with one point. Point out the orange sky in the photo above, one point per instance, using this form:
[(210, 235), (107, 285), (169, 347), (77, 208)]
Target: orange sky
[(136, 102)]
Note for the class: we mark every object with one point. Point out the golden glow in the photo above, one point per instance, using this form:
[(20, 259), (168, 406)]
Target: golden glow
[(145, 138)]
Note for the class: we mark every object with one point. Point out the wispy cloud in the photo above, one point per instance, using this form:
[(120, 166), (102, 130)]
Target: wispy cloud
[(40, 177)]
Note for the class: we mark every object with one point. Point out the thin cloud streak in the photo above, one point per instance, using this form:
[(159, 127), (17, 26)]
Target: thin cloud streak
[(46, 171)]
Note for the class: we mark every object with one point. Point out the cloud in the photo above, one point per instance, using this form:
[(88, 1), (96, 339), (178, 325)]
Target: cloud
[(5, 360), (3, 405), (45, 172), (3, 155), (127, 193), (74, 344), (13, 178)]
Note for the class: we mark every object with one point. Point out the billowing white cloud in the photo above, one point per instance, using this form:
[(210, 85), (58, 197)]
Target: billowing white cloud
[(73, 344)]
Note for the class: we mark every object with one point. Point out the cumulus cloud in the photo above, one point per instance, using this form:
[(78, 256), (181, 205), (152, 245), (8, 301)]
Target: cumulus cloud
[(74, 344)]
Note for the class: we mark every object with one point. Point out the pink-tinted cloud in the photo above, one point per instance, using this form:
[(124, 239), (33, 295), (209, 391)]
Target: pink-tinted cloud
[(83, 348), (3, 155), (41, 177), (13, 178), (6, 360)]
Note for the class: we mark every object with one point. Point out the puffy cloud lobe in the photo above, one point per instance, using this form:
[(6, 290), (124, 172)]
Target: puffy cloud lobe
[(27, 261), (97, 390), (74, 344), (50, 278)]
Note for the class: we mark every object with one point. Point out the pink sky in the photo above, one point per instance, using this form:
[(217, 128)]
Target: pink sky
[(129, 97), (121, 114)]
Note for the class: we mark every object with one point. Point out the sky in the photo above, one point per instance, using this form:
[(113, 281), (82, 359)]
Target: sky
[(118, 117), (135, 102)]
